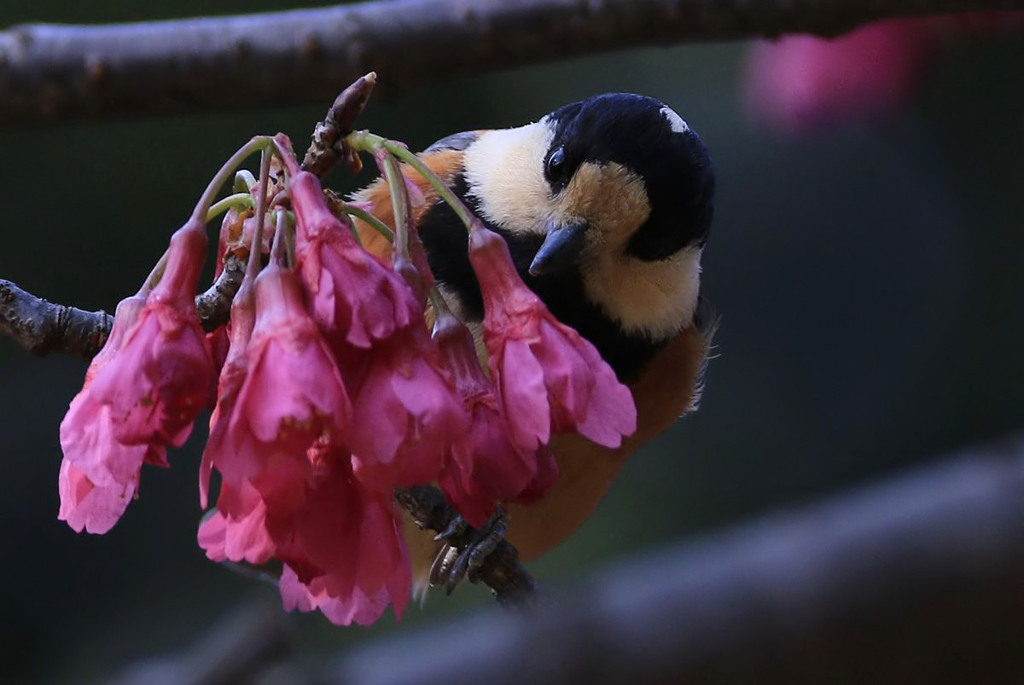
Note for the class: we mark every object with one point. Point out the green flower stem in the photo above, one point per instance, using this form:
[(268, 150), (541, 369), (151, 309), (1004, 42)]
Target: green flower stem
[(231, 201), (205, 209), (256, 248), (370, 142), (370, 219), (155, 275), (399, 203), (222, 175), (244, 181)]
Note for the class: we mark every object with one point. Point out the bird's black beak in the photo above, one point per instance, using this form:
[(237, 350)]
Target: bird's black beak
[(559, 250)]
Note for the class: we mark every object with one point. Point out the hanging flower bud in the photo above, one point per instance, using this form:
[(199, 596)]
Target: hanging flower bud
[(341, 543), (485, 467), (292, 393), (232, 375), (161, 378), (240, 535), (355, 296), (86, 505), (549, 378), (407, 414), (98, 475), (344, 544)]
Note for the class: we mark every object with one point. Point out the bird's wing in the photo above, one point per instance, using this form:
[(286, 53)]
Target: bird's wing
[(443, 161), (456, 141)]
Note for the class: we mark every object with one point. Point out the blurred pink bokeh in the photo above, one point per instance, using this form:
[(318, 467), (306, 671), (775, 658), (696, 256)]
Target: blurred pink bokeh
[(804, 83)]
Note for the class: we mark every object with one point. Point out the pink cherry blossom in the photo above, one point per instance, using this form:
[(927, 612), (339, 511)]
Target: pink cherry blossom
[(237, 529), (98, 475), (292, 392), (549, 378), (485, 466), (344, 537), (341, 543), (406, 412), (161, 378), (355, 296), (85, 505), (232, 375), (356, 607)]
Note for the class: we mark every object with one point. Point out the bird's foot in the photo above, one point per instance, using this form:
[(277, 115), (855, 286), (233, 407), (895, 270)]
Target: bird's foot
[(465, 550)]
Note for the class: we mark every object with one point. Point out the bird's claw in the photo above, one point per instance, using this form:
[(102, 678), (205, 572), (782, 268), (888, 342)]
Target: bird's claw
[(457, 561), (456, 526)]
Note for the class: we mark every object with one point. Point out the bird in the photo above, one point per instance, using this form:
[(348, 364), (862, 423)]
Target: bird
[(606, 205)]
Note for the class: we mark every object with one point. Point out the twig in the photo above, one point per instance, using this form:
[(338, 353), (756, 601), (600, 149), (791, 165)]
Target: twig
[(214, 305), (51, 72), (326, 151), (43, 327), (916, 580)]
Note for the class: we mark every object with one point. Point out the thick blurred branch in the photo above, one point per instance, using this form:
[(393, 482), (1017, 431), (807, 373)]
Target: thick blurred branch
[(51, 72), (238, 649), (919, 579)]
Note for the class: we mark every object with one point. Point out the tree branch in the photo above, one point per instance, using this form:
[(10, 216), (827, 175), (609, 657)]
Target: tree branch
[(43, 327), (52, 72), (501, 571), (917, 579)]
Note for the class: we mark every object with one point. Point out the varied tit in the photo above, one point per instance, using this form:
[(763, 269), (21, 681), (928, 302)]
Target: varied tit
[(606, 206)]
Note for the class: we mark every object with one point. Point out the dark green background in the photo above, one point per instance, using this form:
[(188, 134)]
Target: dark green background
[(869, 282)]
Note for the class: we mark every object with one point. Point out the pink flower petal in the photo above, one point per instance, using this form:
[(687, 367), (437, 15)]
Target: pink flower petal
[(84, 505), (520, 380)]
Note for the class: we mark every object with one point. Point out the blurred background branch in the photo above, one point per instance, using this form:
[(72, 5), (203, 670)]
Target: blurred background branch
[(915, 579), (54, 72)]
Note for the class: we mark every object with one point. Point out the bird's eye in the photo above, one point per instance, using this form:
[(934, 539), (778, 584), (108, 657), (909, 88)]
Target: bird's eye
[(556, 163)]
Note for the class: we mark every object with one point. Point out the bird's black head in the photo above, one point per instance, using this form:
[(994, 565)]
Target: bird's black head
[(645, 138), (614, 194)]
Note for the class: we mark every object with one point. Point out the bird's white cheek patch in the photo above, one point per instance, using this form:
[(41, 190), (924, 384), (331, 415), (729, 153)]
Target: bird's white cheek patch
[(504, 171), (653, 298), (674, 120)]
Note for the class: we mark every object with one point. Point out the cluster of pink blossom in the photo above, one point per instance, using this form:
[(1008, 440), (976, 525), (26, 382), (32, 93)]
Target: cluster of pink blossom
[(331, 394)]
